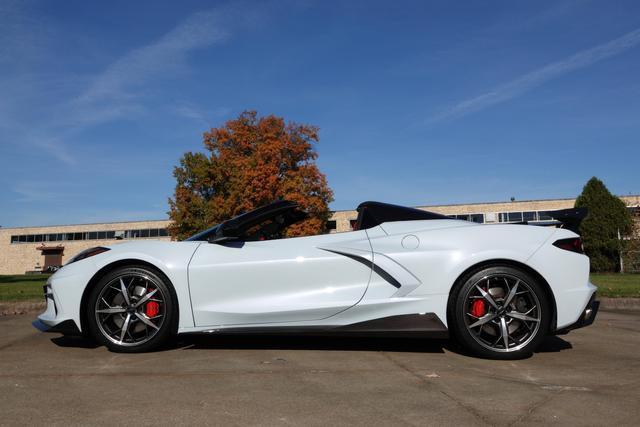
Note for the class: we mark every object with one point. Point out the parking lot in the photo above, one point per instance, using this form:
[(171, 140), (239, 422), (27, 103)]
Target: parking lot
[(591, 376)]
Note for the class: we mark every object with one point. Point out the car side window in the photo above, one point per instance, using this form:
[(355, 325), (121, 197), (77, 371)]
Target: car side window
[(270, 229)]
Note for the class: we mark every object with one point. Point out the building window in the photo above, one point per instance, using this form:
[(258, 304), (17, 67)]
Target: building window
[(515, 216), (331, 225), (544, 216), (530, 216), (478, 218), (90, 235)]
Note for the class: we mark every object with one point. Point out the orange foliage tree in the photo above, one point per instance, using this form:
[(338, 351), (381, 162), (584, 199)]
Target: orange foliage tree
[(251, 161)]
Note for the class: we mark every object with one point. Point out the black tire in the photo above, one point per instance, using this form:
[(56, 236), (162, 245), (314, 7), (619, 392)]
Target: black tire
[(166, 321), (529, 301)]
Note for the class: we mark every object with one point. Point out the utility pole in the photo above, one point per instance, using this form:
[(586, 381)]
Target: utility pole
[(620, 252)]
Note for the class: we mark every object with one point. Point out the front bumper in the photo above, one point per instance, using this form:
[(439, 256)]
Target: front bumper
[(587, 317), (66, 327), (50, 321)]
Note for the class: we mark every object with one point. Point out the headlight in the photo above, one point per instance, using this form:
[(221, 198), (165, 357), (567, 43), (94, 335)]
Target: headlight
[(87, 253)]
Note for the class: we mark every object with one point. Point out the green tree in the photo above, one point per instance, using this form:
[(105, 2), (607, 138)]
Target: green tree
[(607, 215), (251, 161)]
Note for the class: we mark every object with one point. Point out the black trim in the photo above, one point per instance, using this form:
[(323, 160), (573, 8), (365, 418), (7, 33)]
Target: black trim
[(426, 325), (371, 214), (381, 272), (587, 317), (66, 327), (404, 324)]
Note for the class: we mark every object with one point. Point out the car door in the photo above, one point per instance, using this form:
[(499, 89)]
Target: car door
[(282, 280)]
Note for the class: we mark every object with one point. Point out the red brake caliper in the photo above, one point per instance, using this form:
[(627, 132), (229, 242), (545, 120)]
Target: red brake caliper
[(478, 308), (152, 308)]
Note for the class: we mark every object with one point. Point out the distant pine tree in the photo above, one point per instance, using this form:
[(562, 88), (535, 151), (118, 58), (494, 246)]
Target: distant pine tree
[(607, 215)]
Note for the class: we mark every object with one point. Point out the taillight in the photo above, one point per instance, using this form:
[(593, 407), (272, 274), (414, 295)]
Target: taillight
[(573, 244)]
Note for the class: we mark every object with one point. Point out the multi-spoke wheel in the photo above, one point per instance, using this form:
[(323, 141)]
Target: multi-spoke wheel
[(500, 312), (132, 309)]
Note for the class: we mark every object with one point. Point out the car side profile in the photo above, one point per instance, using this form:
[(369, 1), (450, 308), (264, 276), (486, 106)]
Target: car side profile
[(497, 289)]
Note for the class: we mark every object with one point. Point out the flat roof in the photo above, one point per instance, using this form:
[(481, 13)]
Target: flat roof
[(84, 223), (496, 203), (337, 210)]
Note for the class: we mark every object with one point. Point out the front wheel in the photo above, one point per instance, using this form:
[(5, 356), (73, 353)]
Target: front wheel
[(132, 309), (500, 313)]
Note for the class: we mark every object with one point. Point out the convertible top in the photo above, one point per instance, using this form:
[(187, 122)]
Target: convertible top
[(371, 214)]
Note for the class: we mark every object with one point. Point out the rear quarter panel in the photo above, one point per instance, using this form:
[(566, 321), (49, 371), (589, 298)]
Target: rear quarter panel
[(444, 253)]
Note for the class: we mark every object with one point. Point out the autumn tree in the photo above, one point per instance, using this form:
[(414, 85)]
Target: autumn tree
[(250, 161), (607, 216)]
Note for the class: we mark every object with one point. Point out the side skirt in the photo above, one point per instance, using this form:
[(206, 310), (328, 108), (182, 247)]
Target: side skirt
[(425, 325)]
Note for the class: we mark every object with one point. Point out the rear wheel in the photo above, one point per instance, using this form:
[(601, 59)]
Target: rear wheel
[(500, 313), (132, 309)]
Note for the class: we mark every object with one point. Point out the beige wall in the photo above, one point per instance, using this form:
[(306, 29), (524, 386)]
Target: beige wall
[(21, 257)]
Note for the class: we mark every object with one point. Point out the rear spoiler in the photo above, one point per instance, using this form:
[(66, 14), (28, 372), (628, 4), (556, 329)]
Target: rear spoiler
[(569, 218), (563, 218)]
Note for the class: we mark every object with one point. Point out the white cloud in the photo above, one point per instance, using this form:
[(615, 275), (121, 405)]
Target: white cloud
[(166, 54), (201, 115), (537, 77), (114, 94)]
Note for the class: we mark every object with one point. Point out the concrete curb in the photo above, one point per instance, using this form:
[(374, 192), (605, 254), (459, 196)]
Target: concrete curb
[(21, 307), (619, 303)]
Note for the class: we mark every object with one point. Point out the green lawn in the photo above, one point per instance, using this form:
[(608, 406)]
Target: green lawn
[(617, 285), (29, 287), (22, 287)]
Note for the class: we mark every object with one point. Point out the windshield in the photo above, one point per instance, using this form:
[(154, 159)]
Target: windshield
[(203, 235)]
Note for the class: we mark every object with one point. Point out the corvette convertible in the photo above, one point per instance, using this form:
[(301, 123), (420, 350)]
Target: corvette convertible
[(496, 289)]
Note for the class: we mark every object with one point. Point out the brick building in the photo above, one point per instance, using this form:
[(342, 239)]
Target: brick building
[(30, 249)]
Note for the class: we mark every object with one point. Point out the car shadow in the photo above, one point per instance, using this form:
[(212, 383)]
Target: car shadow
[(74, 341), (551, 344), (305, 342)]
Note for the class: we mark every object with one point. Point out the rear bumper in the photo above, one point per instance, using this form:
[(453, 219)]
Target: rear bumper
[(587, 317)]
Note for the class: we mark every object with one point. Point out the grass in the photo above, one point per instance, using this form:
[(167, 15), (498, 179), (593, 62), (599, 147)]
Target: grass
[(616, 285), (22, 287), (29, 287)]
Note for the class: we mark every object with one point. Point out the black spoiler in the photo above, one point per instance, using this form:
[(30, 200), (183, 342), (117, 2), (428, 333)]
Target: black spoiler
[(566, 218)]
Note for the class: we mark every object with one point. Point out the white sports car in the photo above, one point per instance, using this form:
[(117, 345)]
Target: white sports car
[(496, 289)]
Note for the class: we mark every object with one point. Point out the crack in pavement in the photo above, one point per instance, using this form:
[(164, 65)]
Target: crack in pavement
[(533, 407), (472, 411)]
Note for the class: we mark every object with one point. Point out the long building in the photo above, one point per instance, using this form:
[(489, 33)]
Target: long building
[(36, 249)]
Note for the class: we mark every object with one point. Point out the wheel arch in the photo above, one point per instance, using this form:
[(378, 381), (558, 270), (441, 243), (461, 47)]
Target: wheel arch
[(98, 275), (509, 263)]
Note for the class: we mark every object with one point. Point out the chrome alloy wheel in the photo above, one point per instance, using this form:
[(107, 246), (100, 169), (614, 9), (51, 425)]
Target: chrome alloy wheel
[(502, 312), (130, 309)]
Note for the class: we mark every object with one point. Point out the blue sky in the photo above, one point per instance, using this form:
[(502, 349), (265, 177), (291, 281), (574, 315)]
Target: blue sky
[(417, 102)]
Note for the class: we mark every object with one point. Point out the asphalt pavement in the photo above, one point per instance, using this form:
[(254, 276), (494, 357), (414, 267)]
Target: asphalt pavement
[(589, 377)]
